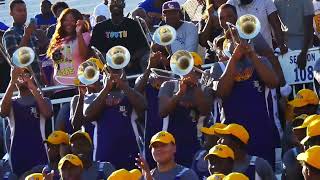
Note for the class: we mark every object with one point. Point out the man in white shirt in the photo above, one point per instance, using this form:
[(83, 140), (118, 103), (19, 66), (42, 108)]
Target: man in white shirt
[(100, 10), (266, 12), (187, 32)]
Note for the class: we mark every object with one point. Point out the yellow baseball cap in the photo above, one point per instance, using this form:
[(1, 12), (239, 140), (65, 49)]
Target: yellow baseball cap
[(210, 130), (197, 59), (73, 159), (313, 129), (236, 176), (80, 133), (58, 137), (216, 177), (305, 97), (236, 130), (123, 174), (221, 151), (311, 156), (307, 121), (35, 176), (162, 136)]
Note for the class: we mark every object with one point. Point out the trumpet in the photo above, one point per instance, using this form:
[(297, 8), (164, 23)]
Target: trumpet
[(22, 58), (118, 57)]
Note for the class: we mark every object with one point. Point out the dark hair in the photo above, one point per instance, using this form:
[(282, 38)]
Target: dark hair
[(59, 33), (14, 2), (241, 144), (224, 6), (58, 5), (313, 141)]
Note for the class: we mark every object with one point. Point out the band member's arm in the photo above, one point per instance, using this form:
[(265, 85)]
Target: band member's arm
[(45, 107), (143, 80), (6, 101), (211, 25), (136, 99), (267, 75), (226, 81), (94, 109), (27, 35), (203, 100), (308, 36), (168, 103)]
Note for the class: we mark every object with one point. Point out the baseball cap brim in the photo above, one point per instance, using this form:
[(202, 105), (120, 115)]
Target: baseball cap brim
[(297, 103), (160, 140), (208, 131)]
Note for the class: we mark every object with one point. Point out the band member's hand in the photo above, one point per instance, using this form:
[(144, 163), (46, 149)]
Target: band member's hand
[(79, 26), (302, 60), (283, 49), (108, 81), (182, 88), (154, 60), (82, 90), (48, 176), (120, 83), (143, 165), (191, 80), (31, 85), (15, 73)]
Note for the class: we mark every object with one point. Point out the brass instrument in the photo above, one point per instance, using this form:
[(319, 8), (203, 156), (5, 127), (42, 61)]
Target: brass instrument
[(118, 57), (22, 58), (248, 26)]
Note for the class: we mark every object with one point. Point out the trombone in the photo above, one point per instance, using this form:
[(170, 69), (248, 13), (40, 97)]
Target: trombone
[(118, 57), (163, 35), (248, 27), (22, 58)]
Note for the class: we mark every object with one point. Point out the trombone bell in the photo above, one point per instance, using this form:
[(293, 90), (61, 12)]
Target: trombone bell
[(88, 72), (118, 57), (248, 26), (164, 35), (181, 62), (23, 57)]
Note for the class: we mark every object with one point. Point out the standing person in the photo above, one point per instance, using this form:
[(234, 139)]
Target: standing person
[(116, 133), (266, 12), (237, 137), (149, 84), (187, 32), (86, 96), (163, 148), (101, 10), (184, 106), (81, 145), (56, 10), (20, 35), (247, 77), (27, 114), (45, 18), (69, 46), (120, 30), (298, 17), (311, 163)]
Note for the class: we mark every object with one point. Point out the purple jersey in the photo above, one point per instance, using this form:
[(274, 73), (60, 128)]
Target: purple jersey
[(114, 137), (27, 132)]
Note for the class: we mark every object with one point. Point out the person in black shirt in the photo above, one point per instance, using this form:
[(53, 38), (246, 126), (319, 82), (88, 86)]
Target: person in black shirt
[(123, 31)]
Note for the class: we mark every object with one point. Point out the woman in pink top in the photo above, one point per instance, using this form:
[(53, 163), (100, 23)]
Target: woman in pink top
[(69, 46)]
